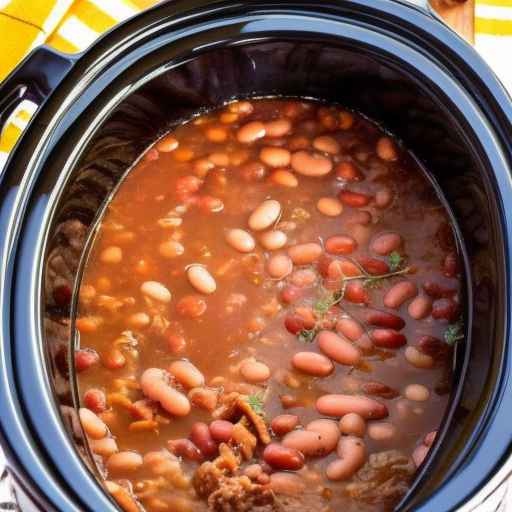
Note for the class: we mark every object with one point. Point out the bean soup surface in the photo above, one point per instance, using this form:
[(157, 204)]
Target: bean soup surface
[(267, 316)]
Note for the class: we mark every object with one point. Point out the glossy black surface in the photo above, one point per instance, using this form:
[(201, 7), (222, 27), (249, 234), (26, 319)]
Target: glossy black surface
[(391, 61)]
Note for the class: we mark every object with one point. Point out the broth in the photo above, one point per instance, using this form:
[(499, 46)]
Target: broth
[(267, 316)]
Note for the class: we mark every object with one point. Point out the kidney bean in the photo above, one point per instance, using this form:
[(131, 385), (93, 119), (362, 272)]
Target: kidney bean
[(221, 430), (418, 359), (186, 186), (339, 405), (85, 358), (312, 364), (139, 320), (216, 134), (284, 178), (123, 462), (254, 371), (354, 199), (167, 144), (338, 349), (311, 164), (219, 159), (386, 243), (95, 400), (284, 423), (279, 266), (340, 244), (450, 265), (388, 338), (328, 431), (352, 424), (266, 214), (185, 448), (275, 157), (305, 441), (114, 359), (400, 293), (373, 266), (304, 254), (104, 447), (386, 149), (201, 279), (278, 127), (433, 347), (326, 144), (93, 426), (280, 457), (355, 292), (156, 291), (253, 171), (420, 307), (329, 206), (191, 306), (382, 319), (438, 291), (273, 240), (419, 454), (352, 453), (417, 393), (382, 431), (286, 483), (240, 240), (251, 132), (201, 437), (111, 255), (445, 309), (291, 294), (187, 374), (349, 328), (294, 323), (347, 171), (154, 385), (383, 197), (375, 388), (241, 107)]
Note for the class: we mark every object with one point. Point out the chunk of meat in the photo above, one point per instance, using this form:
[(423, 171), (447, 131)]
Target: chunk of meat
[(257, 421), (244, 439), (239, 494)]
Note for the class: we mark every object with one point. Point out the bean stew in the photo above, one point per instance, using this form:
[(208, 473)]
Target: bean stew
[(267, 316)]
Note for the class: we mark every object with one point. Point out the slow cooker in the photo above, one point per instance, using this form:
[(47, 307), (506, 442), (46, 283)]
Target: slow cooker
[(393, 61)]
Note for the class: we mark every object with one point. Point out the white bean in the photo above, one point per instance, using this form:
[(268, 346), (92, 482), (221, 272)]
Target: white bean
[(265, 215), (156, 291), (201, 279)]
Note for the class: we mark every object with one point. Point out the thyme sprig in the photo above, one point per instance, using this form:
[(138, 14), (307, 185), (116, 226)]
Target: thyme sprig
[(454, 333)]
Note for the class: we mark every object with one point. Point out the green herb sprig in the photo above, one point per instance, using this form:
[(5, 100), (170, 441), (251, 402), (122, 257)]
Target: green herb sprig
[(256, 402), (454, 333)]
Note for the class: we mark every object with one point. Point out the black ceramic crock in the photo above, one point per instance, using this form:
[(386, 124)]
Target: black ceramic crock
[(394, 62)]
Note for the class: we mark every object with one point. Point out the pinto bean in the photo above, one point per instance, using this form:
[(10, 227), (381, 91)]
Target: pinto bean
[(200, 435), (191, 306), (382, 319), (95, 400), (352, 424), (382, 431), (354, 199), (355, 292), (284, 178), (373, 266), (303, 277), (347, 171), (154, 384), (273, 240), (305, 441), (286, 483), (167, 144), (304, 254), (253, 171), (386, 149), (279, 266), (266, 214), (93, 426), (339, 405), (417, 393), (124, 462), (338, 349), (388, 338), (283, 458), (433, 347), (352, 453), (139, 320), (385, 243), (254, 371), (112, 255), (349, 328), (383, 197), (85, 358), (328, 431), (240, 240), (185, 448), (251, 132), (312, 364), (311, 164), (329, 206), (201, 279), (400, 293), (419, 454), (241, 107), (375, 388), (156, 291), (275, 157), (278, 127), (420, 307), (104, 447), (284, 423), (291, 294), (187, 374), (326, 144), (418, 359), (221, 430)]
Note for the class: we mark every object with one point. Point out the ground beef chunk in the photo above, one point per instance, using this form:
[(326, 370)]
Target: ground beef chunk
[(383, 479)]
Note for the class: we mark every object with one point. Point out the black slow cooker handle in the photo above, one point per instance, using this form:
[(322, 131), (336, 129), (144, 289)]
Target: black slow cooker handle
[(33, 79)]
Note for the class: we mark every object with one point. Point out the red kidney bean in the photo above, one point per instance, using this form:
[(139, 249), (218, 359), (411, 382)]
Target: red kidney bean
[(352, 453), (386, 243), (355, 292), (349, 328), (114, 359), (438, 291), (400, 293), (450, 265), (280, 457), (338, 349), (305, 441), (95, 400), (221, 430), (420, 307), (354, 199), (312, 364), (339, 405), (379, 389), (352, 424), (185, 448), (340, 244), (433, 347), (304, 254), (445, 309), (328, 431), (382, 319), (388, 338), (373, 266), (284, 423), (291, 294), (294, 323), (85, 358), (62, 295), (311, 164), (200, 435), (347, 171)]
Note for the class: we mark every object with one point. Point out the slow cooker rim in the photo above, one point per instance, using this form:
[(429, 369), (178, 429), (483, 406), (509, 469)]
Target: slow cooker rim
[(32, 128)]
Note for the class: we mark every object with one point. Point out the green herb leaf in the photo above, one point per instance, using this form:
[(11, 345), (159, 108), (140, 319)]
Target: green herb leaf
[(256, 403), (395, 261), (307, 335), (323, 305), (454, 333), (372, 282)]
